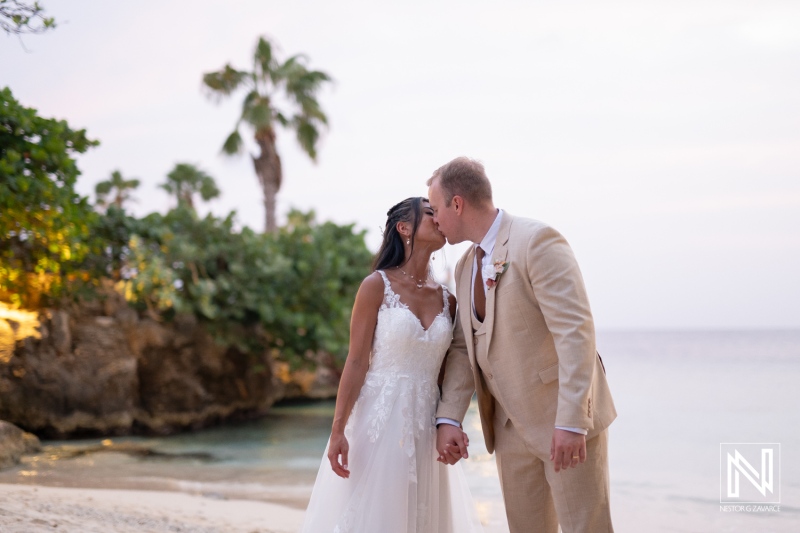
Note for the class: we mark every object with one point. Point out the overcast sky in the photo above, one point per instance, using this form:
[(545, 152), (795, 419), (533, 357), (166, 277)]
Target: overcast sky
[(661, 138)]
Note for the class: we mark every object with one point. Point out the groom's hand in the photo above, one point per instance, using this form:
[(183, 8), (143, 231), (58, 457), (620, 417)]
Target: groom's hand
[(568, 449), (451, 443)]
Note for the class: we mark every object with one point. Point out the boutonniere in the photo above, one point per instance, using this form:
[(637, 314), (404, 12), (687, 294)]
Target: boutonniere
[(493, 271)]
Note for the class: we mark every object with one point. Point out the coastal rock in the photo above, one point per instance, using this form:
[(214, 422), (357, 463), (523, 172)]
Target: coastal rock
[(60, 331), (14, 443), (99, 369), (320, 383), (56, 386)]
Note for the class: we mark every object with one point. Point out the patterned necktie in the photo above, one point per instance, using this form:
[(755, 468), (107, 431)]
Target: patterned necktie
[(479, 296)]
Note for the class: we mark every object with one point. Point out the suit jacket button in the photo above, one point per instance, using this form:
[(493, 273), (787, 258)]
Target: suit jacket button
[(475, 341), (489, 375)]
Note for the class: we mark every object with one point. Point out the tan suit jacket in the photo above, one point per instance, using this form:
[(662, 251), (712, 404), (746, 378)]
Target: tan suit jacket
[(541, 341)]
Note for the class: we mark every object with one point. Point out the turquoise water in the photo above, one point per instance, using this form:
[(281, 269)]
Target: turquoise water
[(679, 395)]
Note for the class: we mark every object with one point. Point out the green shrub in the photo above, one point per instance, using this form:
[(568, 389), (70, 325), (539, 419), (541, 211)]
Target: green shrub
[(43, 221)]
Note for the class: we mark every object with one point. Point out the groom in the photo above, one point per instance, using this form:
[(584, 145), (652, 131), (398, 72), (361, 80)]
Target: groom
[(524, 337)]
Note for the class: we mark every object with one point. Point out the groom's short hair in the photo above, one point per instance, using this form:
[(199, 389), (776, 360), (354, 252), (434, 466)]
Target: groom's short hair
[(463, 177)]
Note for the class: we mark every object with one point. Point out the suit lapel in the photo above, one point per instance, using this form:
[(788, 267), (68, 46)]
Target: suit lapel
[(500, 253)]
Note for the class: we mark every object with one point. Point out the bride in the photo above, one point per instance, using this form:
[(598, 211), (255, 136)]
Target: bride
[(383, 474)]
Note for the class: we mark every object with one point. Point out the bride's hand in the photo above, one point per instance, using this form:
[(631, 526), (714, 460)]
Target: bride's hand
[(451, 443), (339, 447)]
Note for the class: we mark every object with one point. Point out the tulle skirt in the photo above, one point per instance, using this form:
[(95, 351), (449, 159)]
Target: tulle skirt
[(395, 484)]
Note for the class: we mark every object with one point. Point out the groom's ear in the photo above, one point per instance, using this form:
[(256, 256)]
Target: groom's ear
[(458, 204)]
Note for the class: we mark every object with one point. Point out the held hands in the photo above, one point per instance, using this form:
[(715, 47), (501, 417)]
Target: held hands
[(339, 446), (568, 449), (451, 443)]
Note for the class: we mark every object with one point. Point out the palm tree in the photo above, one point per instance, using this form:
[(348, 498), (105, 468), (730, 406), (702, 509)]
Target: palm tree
[(268, 78), (115, 186), (186, 180)]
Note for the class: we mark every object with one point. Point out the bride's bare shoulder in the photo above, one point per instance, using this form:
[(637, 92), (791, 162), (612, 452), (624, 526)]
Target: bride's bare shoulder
[(371, 288)]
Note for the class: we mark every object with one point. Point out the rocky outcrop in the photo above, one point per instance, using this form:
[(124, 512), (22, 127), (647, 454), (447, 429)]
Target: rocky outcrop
[(14, 443), (319, 383), (100, 369)]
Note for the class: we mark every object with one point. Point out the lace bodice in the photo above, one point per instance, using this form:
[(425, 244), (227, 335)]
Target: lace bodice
[(406, 359), (402, 344)]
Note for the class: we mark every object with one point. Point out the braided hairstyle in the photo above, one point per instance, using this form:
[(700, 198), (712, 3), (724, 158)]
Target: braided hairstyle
[(392, 252)]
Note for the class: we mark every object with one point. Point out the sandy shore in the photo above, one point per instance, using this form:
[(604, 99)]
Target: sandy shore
[(30, 509)]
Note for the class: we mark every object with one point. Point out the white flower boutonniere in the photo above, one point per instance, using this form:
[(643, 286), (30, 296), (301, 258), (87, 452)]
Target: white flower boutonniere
[(493, 271)]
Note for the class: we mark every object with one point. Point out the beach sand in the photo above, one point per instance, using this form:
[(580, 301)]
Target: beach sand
[(31, 509)]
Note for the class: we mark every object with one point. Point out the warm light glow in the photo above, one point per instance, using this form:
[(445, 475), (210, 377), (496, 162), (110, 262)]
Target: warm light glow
[(19, 324), (484, 511)]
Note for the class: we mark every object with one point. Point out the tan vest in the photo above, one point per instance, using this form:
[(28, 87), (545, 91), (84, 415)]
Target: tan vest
[(481, 356)]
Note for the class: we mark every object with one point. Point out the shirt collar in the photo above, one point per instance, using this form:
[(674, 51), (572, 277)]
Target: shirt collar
[(489, 240)]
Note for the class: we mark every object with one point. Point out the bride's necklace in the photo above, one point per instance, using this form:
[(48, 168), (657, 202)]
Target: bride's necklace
[(418, 282)]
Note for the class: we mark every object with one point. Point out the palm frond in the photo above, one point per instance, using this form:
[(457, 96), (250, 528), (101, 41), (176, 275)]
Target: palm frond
[(302, 86), (315, 78), (281, 118), (208, 189), (263, 56), (119, 186), (258, 112), (224, 82), (251, 97), (116, 178), (310, 109), (233, 144), (307, 136), (186, 180), (292, 67), (103, 188), (302, 81)]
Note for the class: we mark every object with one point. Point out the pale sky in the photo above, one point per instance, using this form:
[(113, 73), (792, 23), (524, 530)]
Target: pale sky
[(661, 138)]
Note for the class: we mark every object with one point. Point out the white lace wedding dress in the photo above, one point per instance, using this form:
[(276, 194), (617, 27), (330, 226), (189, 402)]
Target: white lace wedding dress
[(396, 485)]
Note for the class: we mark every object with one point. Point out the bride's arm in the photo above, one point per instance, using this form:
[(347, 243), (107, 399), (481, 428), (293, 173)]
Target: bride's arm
[(458, 384), (362, 329)]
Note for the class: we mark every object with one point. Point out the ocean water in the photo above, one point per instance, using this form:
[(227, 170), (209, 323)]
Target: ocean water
[(679, 396)]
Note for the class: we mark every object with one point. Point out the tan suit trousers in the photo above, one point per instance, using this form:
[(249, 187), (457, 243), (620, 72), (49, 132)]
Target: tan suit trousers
[(537, 498)]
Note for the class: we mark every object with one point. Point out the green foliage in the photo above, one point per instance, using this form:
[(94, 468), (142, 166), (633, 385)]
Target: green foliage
[(44, 223), (186, 180), (289, 292), (295, 287), (233, 144), (328, 263), (18, 17), (109, 244), (117, 187), (225, 81)]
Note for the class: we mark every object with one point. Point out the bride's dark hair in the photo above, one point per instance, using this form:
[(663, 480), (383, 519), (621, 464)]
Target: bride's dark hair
[(392, 252)]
